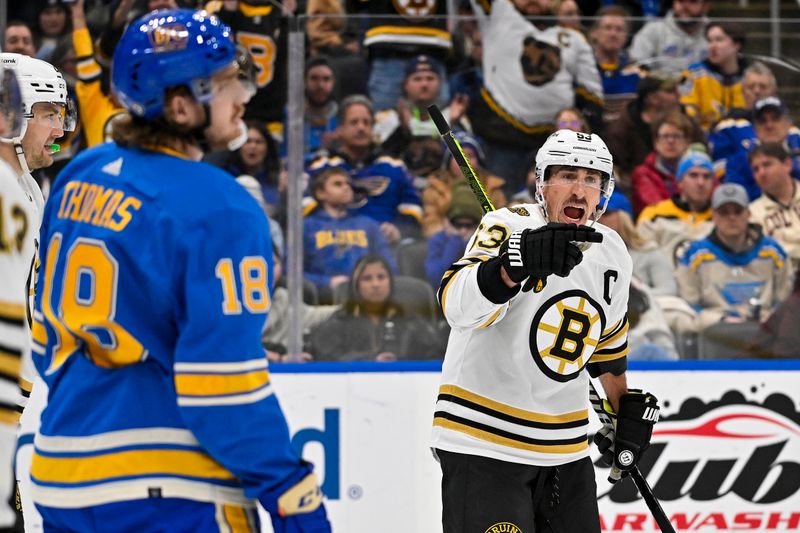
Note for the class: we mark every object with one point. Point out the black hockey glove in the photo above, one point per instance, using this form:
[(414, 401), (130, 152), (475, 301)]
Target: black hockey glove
[(551, 249), (638, 412)]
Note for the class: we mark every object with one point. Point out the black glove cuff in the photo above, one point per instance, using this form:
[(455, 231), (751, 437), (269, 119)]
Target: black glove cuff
[(491, 283)]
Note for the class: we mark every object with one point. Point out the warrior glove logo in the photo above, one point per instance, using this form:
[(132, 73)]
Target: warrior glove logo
[(514, 249)]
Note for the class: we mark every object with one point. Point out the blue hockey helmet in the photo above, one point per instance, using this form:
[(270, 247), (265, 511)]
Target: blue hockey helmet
[(169, 48)]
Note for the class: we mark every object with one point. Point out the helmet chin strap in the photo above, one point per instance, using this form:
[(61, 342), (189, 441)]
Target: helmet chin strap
[(23, 163)]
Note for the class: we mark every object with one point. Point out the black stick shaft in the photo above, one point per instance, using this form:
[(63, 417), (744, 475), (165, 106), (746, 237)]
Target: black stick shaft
[(638, 479)]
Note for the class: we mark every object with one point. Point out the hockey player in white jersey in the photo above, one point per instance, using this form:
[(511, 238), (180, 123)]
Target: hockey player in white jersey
[(18, 225), (511, 420), (46, 113)]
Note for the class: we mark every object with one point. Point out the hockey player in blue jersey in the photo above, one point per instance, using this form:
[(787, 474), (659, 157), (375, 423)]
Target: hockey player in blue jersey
[(155, 285)]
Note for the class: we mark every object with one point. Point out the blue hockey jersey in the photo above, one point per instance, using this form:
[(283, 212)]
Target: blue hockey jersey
[(154, 288), (731, 141)]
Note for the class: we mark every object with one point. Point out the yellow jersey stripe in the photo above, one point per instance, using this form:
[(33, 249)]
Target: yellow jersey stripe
[(446, 286), (189, 463), (12, 312), (506, 441), (499, 111), (9, 417), (39, 332), (236, 517), (9, 364), (409, 30), (614, 338), (220, 384), (700, 259), (458, 392), (491, 319), (610, 355)]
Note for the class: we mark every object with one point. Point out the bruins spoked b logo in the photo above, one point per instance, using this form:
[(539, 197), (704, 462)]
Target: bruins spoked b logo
[(565, 333)]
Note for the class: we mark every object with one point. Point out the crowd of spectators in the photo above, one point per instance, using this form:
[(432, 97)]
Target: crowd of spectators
[(706, 154)]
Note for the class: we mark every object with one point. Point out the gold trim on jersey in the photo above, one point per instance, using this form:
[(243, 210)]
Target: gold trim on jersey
[(491, 318), (9, 417), (507, 441), (407, 30), (502, 113), (700, 259), (237, 519), (619, 330), (12, 313), (772, 254), (450, 275), (610, 354), (458, 392), (219, 384), (151, 462)]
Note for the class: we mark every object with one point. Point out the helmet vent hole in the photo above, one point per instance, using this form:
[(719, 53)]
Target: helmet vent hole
[(576, 159)]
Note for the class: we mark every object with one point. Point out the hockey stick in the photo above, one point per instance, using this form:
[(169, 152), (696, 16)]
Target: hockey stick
[(597, 403)]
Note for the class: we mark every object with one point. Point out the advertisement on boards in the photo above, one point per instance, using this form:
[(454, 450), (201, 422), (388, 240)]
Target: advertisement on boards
[(725, 455)]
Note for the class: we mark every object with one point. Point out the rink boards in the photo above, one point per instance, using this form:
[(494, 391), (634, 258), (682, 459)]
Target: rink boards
[(725, 455)]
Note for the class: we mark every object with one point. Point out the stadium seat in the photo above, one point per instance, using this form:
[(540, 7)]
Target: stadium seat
[(411, 258)]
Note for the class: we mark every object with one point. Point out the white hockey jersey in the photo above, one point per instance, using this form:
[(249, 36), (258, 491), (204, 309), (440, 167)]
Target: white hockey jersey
[(513, 381), (18, 225), (532, 73)]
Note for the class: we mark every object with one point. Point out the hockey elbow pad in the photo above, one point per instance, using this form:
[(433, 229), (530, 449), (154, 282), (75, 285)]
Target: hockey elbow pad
[(638, 412), (295, 505)]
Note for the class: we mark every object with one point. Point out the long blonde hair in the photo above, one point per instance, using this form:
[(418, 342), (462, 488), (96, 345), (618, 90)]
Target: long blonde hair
[(630, 235)]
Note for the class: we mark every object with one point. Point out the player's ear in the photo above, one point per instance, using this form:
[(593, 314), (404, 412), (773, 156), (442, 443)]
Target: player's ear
[(183, 110)]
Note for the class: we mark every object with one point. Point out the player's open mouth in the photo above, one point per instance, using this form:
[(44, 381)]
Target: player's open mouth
[(574, 213)]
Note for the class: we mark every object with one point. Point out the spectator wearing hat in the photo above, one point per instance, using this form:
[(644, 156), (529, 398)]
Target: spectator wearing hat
[(713, 87), (437, 195), (609, 35), (335, 239), (677, 221), (673, 42), (397, 128), (18, 39), (630, 138), (386, 189), (777, 211), (771, 124), (449, 244), (736, 273), (654, 179)]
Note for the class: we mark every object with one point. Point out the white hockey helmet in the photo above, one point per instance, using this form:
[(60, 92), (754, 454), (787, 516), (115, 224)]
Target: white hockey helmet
[(41, 82), (575, 149)]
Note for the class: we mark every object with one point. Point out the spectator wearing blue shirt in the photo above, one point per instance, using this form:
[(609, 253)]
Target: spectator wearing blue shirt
[(771, 124), (335, 239), (620, 78), (386, 189)]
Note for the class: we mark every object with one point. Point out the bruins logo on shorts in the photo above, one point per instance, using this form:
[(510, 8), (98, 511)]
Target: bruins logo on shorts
[(503, 527), (541, 61), (565, 333)]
